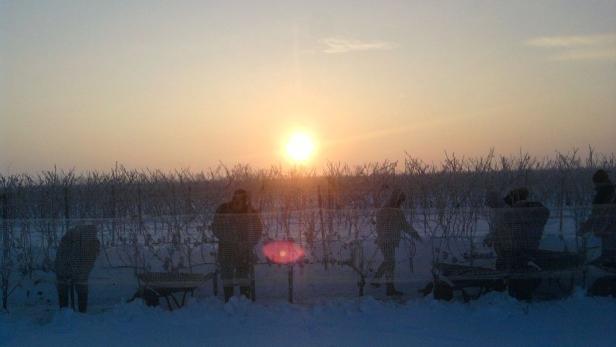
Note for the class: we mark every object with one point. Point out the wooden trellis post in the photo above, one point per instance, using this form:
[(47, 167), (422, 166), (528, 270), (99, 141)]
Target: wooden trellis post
[(66, 209), (323, 241), (141, 227), (290, 280), (113, 214), (6, 251), (215, 282)]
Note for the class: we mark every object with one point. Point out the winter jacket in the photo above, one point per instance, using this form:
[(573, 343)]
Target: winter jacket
[(602, 219), (77, 254), (390, 223), (519, 228), (601, 216), (237, 232)]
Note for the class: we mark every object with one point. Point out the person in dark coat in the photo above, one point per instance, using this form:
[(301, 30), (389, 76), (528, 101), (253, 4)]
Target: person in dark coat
[(238, 228), (602, 219), (390, 223), (75, 259), (516, 234), (496, 205), (517, 230)]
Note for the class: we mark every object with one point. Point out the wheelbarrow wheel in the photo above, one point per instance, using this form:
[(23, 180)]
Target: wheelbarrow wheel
[(442, 291), (150, 298), (604, 286), (523, 289)]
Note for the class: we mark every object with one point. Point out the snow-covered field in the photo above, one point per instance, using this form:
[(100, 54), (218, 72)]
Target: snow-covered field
[(327, 311), (493, 320)]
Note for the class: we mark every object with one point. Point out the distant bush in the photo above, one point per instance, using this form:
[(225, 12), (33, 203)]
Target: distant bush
[(168, 214)]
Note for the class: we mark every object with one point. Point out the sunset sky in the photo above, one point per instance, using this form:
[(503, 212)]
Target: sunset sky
[(85, 84)]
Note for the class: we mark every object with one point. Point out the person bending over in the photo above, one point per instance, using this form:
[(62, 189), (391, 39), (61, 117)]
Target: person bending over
[(75, 259), (390, 223)]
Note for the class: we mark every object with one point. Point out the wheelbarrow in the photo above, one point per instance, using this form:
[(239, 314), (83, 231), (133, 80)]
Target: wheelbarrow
[(172, 286)]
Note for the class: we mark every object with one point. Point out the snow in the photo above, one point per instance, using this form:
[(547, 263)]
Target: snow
[(494, 319), (326, 312)]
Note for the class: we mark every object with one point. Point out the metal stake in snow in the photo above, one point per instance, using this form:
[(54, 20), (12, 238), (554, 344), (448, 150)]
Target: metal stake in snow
[(285, 253)]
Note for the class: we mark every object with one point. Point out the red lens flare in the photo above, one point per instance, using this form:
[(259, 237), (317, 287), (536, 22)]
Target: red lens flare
[(283, 252)]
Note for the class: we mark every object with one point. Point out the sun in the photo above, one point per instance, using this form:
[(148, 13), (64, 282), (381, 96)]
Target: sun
[(300, 147)]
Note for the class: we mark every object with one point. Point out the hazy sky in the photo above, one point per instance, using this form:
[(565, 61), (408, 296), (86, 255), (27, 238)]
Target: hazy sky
[(179, 84)]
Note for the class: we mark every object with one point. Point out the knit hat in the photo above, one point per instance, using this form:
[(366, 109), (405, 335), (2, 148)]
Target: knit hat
[(516, 195), (600, 176)]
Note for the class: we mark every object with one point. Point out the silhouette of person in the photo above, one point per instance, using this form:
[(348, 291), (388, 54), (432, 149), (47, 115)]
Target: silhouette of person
[(390, 223), (602, 219), (75, 259), (238, 228)]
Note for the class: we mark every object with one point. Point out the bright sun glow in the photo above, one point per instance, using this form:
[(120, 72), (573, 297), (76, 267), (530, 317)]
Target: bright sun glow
[(300, 147)]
